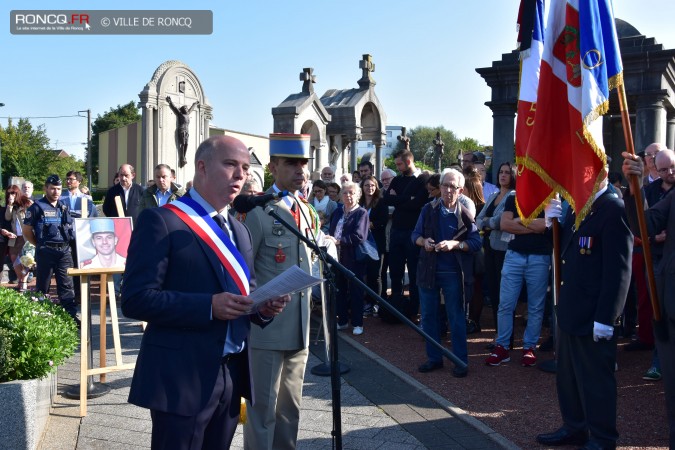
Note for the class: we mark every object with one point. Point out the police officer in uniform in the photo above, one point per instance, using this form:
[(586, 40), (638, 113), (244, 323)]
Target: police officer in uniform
[(49, 226)]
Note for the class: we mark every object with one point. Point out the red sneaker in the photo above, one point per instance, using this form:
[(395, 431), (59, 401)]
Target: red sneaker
[(528, 359), (499, 355)]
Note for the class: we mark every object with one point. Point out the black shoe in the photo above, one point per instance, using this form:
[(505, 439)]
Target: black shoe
[(636, 346), (472, 327), (459, 373), (563, 437), (592, 445), (491, 346), (547, 345), (429, 366)]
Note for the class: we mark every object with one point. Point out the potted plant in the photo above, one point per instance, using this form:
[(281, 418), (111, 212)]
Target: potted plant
[(36, 336)]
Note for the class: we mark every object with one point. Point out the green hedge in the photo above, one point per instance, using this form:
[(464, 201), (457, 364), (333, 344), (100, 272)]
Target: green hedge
[(36, 335)]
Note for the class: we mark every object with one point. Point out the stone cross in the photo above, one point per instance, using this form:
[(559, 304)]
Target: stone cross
[(404, 139), (308, 78), (438, 152), (367, 66)]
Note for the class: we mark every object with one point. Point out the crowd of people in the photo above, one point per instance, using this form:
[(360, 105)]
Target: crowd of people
[(438, 246)]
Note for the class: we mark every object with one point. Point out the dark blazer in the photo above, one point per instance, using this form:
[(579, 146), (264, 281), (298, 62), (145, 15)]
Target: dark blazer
[(169, 280), (131, 209), (354, 231), (379, 217), (595, 284), (661, 216)]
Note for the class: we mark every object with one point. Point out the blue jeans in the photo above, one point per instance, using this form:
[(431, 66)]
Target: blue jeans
[(534, 270), (430, 299)]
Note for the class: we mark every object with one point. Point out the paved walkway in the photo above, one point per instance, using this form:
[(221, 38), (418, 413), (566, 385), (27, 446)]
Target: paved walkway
[(381, 408)]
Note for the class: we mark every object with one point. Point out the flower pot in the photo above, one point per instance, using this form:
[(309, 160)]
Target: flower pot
[(26, 405)]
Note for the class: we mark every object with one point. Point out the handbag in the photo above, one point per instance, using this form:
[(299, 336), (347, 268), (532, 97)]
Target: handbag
[(367, 249)]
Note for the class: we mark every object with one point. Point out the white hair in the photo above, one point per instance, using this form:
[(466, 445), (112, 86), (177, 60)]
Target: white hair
[(459, 175)]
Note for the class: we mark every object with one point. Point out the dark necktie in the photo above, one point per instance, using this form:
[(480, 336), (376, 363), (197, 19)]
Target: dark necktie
[(222, 223)]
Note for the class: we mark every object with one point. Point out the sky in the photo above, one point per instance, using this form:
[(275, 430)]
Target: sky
[(425, 56)]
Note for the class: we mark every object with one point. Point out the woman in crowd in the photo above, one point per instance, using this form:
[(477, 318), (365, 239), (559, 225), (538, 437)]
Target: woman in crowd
[(378, 214), (495, 242), (322, 203), (15, 212), (349, 228), (473, 188), (434, 186), (333, 192), (448, 237)]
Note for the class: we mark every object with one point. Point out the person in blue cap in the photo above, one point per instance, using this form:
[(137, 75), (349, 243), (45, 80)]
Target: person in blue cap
[(104, 240), (49, 226), (279, 352)]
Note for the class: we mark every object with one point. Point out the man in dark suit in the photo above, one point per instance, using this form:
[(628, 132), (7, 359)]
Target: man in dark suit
[(595, 269), (661, 222), (131, 194), (187, 275)]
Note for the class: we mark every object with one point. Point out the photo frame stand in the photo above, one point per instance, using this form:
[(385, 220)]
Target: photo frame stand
[(107, 296)]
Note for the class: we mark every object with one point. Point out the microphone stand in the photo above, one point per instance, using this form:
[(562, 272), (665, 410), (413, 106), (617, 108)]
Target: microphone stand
[(335, 375)]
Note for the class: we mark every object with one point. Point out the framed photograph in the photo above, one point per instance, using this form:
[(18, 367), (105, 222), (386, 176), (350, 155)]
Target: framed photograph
[(102, 242)]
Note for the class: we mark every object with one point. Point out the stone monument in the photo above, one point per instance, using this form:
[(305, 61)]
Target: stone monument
[(166, 137), (438, 152)]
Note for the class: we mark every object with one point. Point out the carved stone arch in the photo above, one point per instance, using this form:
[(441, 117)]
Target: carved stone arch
[(158, 136), (310, 127)]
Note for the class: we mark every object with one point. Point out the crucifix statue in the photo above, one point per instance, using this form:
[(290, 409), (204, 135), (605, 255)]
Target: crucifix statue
[(405, 140), (438, 152), (308, 78), (183, 116)]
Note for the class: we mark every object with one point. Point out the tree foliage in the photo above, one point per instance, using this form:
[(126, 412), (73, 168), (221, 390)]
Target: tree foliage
[(115, 118), (62, 165), (422, 145), (25, 151)]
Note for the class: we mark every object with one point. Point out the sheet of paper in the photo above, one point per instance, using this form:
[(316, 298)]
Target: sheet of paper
[(288, 282)]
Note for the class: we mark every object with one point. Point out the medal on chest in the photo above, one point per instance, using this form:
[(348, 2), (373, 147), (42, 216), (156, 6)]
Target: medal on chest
[(280, 256)]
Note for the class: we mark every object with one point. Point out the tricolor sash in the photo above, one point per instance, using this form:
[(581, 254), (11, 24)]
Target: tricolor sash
[(199, 221)]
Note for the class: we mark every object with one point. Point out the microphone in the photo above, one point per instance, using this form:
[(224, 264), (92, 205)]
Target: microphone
[(245, 203)]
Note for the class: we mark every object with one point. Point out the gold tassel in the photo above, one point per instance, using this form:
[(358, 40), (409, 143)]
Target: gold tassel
[(242, 411)]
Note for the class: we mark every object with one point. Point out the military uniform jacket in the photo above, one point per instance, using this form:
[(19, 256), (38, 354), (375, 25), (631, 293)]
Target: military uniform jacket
[(595, 266), (277, 249)]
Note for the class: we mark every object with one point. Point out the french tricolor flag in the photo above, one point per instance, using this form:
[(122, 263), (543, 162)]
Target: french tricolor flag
[(559, 129)]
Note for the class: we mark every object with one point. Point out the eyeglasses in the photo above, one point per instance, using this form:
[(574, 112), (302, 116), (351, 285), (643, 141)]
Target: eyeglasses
[(650, 155), (666, 170), (452, 187), (71, 179)]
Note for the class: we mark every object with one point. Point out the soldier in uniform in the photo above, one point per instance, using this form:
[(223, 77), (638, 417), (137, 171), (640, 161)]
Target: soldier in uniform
[(279, 352), (49, 226)]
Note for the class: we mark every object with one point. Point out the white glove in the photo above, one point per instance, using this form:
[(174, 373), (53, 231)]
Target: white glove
[(553, 211), (602, 331)]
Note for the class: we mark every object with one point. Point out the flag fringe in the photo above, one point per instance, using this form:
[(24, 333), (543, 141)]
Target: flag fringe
[(557, 188)]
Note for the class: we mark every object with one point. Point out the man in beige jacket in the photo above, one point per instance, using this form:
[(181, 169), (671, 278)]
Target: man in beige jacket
[(279, 352)]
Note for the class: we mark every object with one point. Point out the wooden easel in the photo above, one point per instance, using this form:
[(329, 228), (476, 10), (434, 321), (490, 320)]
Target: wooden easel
[(107, 292)]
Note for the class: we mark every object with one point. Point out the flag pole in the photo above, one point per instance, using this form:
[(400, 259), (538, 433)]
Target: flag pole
[(642, 221)]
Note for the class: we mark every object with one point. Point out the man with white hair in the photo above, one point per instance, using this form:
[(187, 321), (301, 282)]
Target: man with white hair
[(650, 158), (27, 189), (386, 176), (327, 174)]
